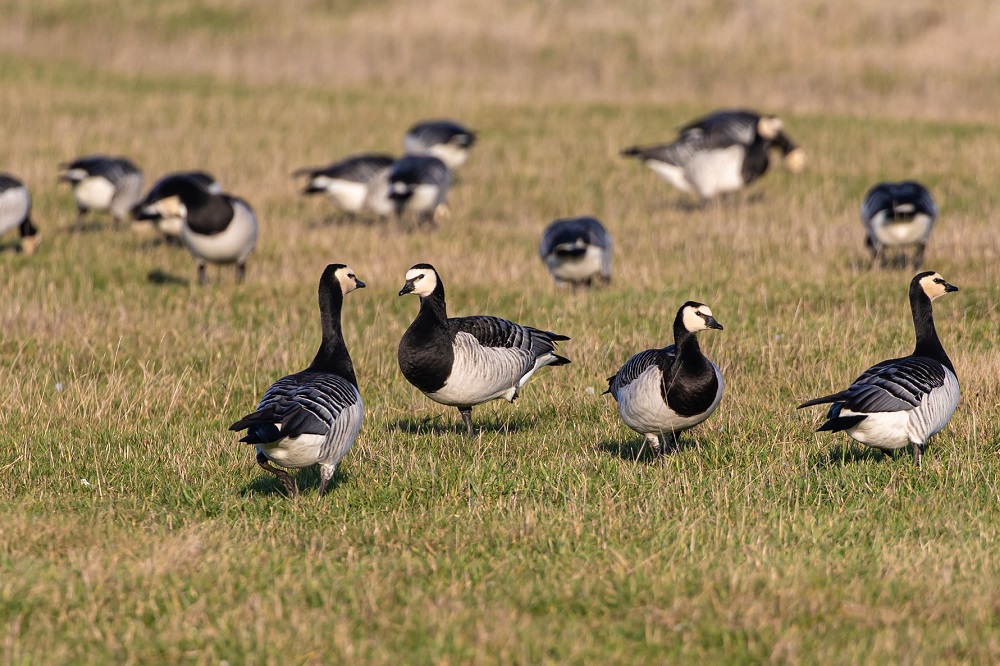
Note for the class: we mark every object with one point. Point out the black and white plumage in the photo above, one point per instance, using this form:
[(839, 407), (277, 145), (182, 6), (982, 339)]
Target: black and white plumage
[(217, 228), (897, 215), (447, 140), (723, 152), (103, 184), (903, 401), (353, 183), (418, 184), (313, 416), (172, 225), (662, 392), (466, 361), (15, 212), (577, 251)]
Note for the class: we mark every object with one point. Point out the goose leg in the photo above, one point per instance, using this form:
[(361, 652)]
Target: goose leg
[(202, 274), (283, 476), (918, 453), (79, 219), (325, 474), (653, 442), (241, 272), (466, 413), (918, 258)]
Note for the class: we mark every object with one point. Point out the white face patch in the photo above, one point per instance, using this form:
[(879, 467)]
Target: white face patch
[(692, 320), (348, 282), (424, 280), (796, 160), (932, 288), (769, 127)]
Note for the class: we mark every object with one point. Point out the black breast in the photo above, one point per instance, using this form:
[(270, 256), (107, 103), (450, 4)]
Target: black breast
[(691, 391), (755, 162), (426, 355)]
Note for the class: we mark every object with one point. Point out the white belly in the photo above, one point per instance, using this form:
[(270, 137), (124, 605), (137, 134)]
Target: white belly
[(347, 195), (713, 172), (672, 174), (881, 430), (577, 269), (643, 409), (301, 451), (233, 245), (901, 233), (94, 193), (480, 374), (14, 204), (425, 198)]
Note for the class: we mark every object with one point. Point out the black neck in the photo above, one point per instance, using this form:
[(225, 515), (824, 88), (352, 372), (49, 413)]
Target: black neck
[(332, 356), (689, 356), (433, 309), (928, 344)]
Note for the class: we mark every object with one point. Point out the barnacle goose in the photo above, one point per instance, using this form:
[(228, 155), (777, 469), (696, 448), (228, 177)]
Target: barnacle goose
[(218, 228), (313, 416), (723, 152), (466, 361), (419, 184), (104, 184), (447, 140), (903, 401), (171, 225), (349, 183), (577, 250), (15, 211), (898, 214), (663, 392)]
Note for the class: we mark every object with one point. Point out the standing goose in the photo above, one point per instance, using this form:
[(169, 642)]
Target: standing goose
[(722, 152), (577, 250), (419, 184), (903, 401), (172, 225), (15, 211), (103, 184), (466, 361), (313, 416), (447, 140), (218, 228), (347, 183), (897, 215), (665, 391)]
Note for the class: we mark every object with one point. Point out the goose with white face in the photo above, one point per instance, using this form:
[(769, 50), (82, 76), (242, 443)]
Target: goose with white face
[(936, 286), (699, 319), (419, 281), (348, 280)]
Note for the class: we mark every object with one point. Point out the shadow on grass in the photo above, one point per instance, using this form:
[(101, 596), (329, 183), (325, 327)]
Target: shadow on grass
[(345, 219), (636, 450), (164, 278), (444, 424), (849, 455), (306, 481)]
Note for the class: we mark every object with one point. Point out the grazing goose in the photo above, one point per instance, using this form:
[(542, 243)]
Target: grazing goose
[(348, 183), (903, 401), (218, 228), (466, 361), (103, 184), (447, 140), (665, 391), (419, 184), (577, 250), (15, 211), (171, 225), (722, 152), (896, 215), (313, 416)]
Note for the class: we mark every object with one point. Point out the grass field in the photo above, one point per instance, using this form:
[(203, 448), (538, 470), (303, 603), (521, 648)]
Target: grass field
[(135, 529)]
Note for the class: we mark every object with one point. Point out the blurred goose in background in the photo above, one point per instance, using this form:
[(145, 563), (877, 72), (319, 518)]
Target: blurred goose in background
[(898, 215), (15, 211), (217, 228), (663, 392), (577, 251), (349, 183), (312, 417), (418, 184), (903, 401), (171, 225), (466, 361), (103, 184), (723, 152), (446, 140)]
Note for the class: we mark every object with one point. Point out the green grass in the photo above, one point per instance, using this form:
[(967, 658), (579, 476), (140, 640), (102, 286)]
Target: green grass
[(135, 529)]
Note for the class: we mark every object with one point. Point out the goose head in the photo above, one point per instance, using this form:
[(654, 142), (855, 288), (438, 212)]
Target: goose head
[(769, 127), (698, 317), (421, 280), (932, 284), (346, 277)]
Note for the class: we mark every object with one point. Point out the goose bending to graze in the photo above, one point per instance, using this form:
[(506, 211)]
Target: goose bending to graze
[(348, 183), (419, 184), (217, 228), (15, 212), (447, 140), (897, 215), (313, 416), (722, 152), (903, 401), (172, 225), (662, 392), (577, 251), (103, 184), (466, 361)]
